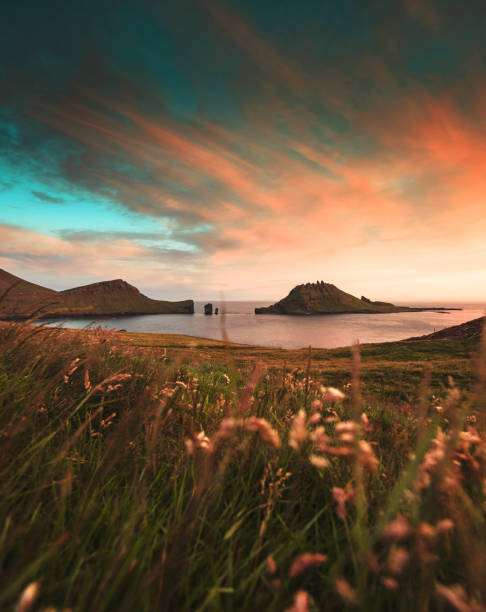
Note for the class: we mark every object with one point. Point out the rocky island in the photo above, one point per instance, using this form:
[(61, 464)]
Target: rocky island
[(322, 298), (20, 299)]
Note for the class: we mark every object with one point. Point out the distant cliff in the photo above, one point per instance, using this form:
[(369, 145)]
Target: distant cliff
[(324, 298), (20, 299)]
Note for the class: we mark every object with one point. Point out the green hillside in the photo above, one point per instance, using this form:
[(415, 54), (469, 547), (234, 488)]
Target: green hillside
[(22, 300)]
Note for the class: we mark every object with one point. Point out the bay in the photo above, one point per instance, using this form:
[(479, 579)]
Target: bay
[(282, 331)]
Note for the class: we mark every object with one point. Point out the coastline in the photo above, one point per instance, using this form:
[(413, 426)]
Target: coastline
[(398, 309), (156, 340), (83, 315)]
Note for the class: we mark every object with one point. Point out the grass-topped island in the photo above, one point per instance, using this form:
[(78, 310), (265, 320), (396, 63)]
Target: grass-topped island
[(322, 298)]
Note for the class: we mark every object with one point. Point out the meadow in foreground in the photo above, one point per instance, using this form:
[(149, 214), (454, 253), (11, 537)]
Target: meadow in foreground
[(134, 481)]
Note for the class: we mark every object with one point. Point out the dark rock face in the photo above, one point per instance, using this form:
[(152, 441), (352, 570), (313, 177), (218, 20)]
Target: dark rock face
[(208, 309), (324, 298)]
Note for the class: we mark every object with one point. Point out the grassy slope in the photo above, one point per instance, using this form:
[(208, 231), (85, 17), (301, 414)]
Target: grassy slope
[(103, 505), (470, 329), (23, 299), (20, 296), (392, 369), (117, 296)]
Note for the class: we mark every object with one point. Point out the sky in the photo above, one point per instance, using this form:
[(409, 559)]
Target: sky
[(200, 149)]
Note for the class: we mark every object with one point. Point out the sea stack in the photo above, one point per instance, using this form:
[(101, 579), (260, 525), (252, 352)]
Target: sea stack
[(208, 309)]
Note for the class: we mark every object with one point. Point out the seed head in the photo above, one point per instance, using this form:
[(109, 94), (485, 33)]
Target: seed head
[(319, 461), (389, 583), (27, 597), (345, 427), (271, 565), (444, 525), (298, 431), (342, 496), (398, 529), (304, 562), (266, 432), (367, 456), (331, 394), (397, 560), (346, 591), (301, 602)]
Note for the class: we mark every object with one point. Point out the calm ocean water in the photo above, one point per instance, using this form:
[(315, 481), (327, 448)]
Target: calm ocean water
[(289, 331)]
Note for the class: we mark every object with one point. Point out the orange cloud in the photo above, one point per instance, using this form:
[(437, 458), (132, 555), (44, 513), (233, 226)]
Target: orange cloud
[(295, 199)]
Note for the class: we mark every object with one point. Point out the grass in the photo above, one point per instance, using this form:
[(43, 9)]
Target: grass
[(147, 472), (391, 370)]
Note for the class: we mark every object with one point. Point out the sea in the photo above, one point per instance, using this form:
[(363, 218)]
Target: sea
[(241, 325)]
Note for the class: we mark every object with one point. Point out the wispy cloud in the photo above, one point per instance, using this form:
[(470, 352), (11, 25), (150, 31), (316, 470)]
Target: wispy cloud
[(46, 197), (314, 152)]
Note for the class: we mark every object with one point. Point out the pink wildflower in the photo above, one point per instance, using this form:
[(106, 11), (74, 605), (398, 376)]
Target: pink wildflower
[(367, 456), (347, 438), (304, 561), (200, 440), (301, 602), (456, 596), (320, 438), (444, 525), (432, 459), (87, 383), (318, 461), (426, 531), (298, 430), (346, 591), (271, 565), (28, 596), (397, 560), (398, 529), (345, 427), (342, 496), (264, 430), (331, 394), (471, 436), (389, 583), (365, 423)]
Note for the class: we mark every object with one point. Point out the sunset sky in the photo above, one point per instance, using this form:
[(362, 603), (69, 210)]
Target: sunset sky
[(199, 148)]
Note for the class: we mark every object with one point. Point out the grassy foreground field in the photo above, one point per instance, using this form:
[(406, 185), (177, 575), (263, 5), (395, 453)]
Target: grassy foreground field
[(149, 472)]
